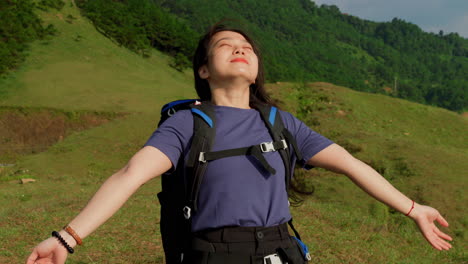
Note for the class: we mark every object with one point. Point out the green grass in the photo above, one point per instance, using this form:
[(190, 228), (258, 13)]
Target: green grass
[(422, 150), (82, 69)]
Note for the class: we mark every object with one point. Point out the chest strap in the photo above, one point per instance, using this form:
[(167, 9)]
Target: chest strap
[(255, 151)]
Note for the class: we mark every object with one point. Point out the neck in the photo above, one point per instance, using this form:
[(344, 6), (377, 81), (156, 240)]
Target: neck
[(231, 94)]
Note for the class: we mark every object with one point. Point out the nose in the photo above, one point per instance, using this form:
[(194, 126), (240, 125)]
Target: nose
[(239, 51)]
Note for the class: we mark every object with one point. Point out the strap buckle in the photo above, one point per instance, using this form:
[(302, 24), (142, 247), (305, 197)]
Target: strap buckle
[(201, 157), (285, 145), (187, 212), (269, 146), (272, 259)]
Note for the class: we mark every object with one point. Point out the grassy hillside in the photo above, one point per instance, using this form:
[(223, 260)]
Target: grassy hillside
[(82, 69), (422, 150)]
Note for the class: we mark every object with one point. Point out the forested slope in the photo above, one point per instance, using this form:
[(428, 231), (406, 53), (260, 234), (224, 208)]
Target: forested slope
[(300, 41), (19, 26)]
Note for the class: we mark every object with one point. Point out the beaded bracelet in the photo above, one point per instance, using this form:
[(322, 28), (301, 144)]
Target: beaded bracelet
[(63, 242)]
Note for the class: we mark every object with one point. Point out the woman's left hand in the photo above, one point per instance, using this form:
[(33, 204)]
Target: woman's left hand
[(425, 216)]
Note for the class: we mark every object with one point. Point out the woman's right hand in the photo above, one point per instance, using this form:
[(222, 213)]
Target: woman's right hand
[(49, 251), (146, 164)]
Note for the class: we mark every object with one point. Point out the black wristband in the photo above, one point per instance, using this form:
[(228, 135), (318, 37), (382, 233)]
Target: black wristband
[(63, 242)]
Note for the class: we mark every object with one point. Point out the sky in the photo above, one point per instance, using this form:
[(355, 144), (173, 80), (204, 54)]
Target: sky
[(429, 15)]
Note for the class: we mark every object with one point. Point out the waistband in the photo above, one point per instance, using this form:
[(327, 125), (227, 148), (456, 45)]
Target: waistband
[(246, 240), (244, 234)]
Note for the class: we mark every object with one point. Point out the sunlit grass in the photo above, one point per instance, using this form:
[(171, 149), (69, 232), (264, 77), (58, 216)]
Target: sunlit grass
[(422, 150), (82, 69)]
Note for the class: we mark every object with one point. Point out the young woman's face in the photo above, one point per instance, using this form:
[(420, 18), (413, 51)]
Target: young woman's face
[(230, 56)]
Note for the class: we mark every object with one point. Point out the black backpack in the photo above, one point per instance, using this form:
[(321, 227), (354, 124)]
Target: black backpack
[(180, 187)]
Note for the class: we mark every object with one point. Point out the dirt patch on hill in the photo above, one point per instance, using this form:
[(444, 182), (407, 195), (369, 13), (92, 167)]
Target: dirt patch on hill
[(31, 130)]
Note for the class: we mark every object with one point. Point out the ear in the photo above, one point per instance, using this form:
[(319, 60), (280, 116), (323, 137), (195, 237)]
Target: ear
[(203, 72)]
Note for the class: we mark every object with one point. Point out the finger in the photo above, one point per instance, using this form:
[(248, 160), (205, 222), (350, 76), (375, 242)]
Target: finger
[(430, 234), (432, 239), (32, 257), (444, 245), (435, 245), (45, 261), (442, 234), (436, 242), (441, 220)]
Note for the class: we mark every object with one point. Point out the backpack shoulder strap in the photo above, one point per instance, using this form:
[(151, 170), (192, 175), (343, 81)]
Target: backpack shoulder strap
[(204, 125), (171, 108), (203, 137), (175, 229), (274, 122), (275, 126), (278, 131), (204, 131)]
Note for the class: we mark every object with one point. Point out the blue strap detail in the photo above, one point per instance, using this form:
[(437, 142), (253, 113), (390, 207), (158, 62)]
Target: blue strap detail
[(204, 116), (172, 104), (272, 115), (305, 249)]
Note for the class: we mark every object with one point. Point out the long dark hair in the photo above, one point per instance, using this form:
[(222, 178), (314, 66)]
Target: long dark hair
[(257, 89)]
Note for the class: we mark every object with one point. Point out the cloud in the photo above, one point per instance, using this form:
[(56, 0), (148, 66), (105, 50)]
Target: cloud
[(448, 15)]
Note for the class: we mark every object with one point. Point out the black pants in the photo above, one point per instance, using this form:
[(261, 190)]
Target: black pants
[(244, 245)]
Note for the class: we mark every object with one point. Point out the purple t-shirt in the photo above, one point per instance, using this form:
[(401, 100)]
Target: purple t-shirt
[(236, 191)]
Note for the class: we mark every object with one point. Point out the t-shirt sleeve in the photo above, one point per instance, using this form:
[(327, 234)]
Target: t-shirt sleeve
[(308, 141), (173, 136)]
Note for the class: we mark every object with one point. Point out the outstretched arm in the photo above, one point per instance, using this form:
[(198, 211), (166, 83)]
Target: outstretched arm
[(337, 159), (146, 164)]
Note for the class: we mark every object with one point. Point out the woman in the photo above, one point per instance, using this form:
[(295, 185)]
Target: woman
[(237, 197)]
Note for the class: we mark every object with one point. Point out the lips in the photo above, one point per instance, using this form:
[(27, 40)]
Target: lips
[(240, 60)]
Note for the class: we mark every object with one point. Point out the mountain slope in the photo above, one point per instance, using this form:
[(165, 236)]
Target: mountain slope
[(303, 41), (82, 69)]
